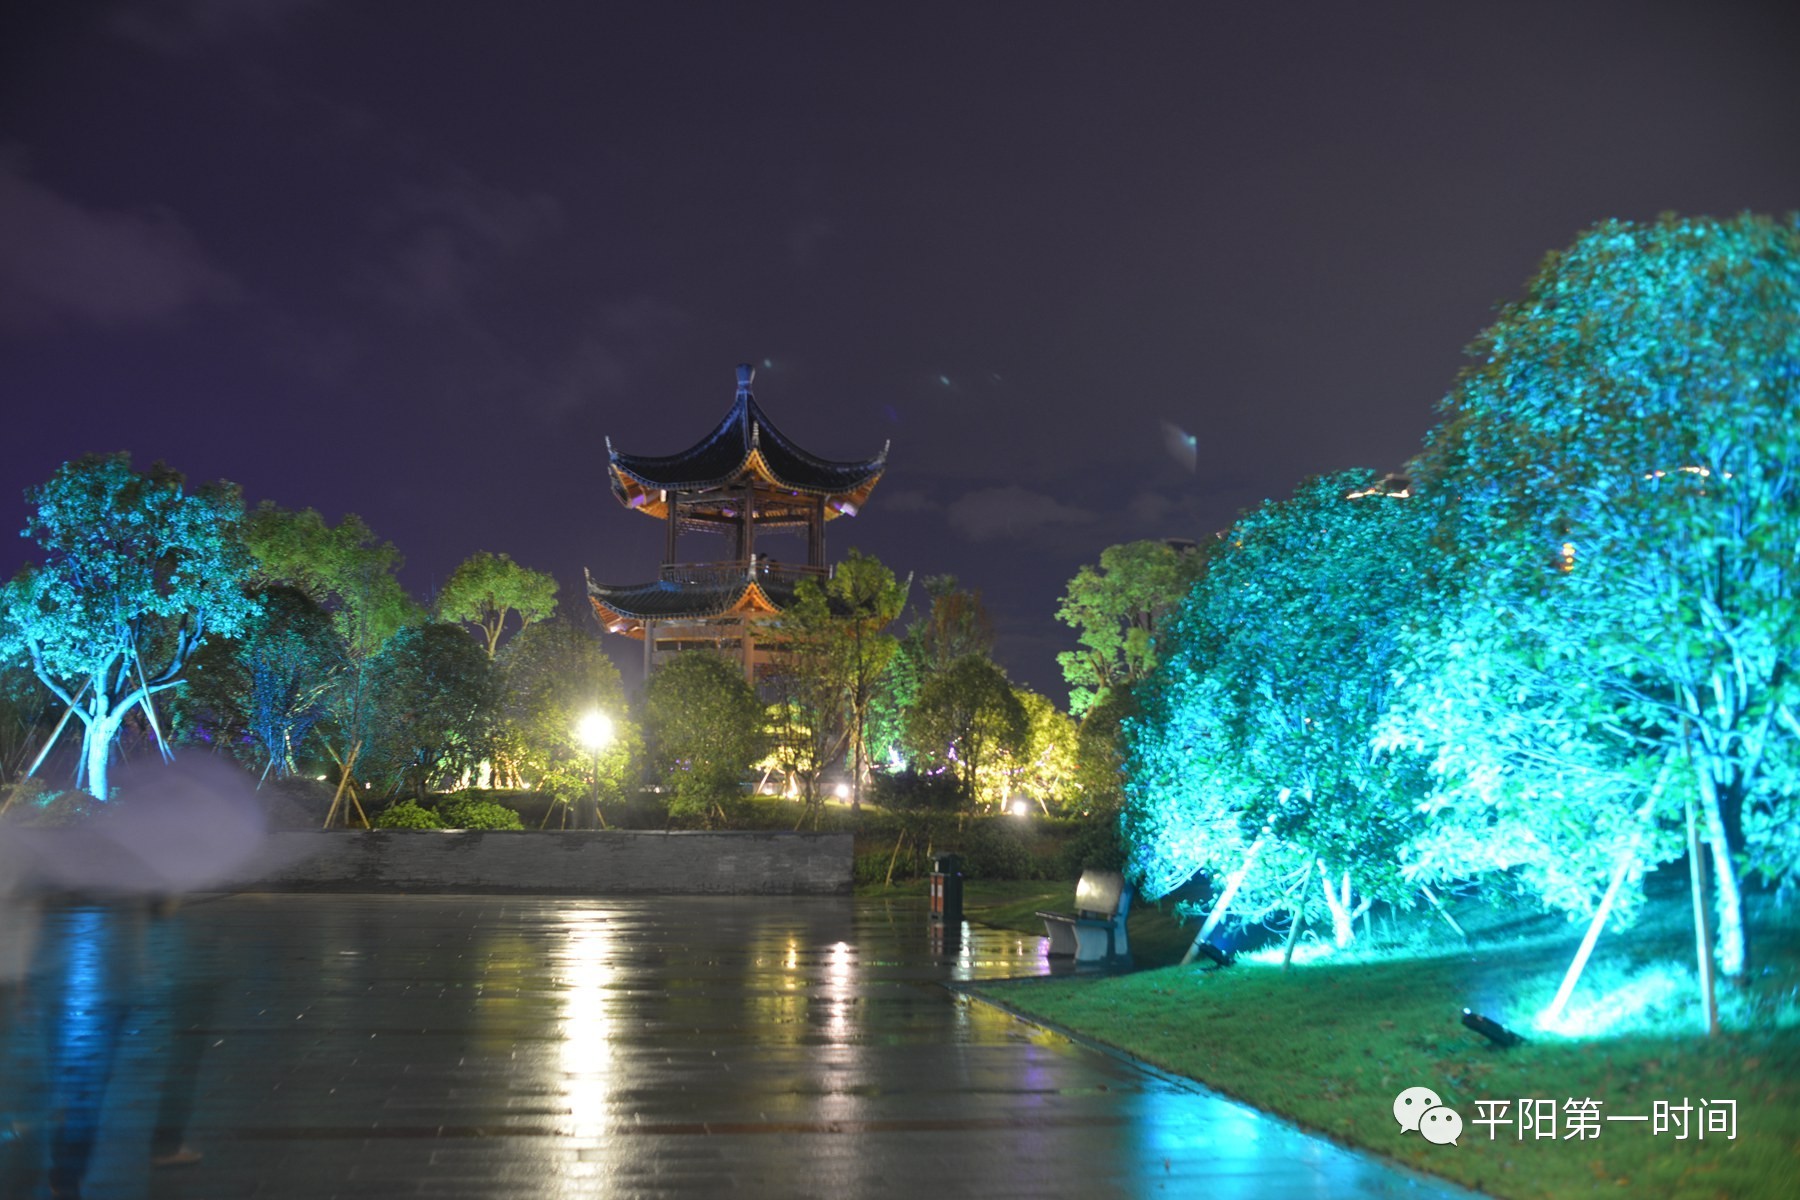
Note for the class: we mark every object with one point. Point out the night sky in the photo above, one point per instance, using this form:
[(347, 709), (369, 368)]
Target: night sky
[(416, 261)]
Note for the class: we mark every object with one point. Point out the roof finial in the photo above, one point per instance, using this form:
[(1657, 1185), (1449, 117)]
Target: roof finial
[(746, 373)]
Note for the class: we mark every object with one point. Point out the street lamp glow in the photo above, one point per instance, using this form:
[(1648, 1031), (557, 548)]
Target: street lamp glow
[(595, 731)]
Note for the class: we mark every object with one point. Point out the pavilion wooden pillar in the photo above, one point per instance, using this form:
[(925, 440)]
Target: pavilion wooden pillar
[(815, 533), (674, 527), (747, 528)]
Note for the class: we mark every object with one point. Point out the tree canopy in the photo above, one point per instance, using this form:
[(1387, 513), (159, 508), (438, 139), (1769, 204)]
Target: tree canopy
[(1116, 608), (1616, 476), (968, 721), (351, 574), (553, 674), (137, 573), (838, 652), (486, 589), (1253, 746), (706, 728), (260, 695), (435, 703)]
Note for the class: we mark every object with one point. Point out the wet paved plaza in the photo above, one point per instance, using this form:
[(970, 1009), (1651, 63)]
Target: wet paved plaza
[(477, 1046)]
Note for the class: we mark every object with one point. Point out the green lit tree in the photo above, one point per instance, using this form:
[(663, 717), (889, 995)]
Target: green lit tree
[(137, 573), (1100, 753), (1045, 766), (837, 651), (488, 589), (1616, 473), (954, 624), (884, 733), (351, 574), (1115, 609), (968, 721), (705, 728)]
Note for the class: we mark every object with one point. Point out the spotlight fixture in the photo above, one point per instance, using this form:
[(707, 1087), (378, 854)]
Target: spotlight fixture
[(1218, 956), (1491, 1029)]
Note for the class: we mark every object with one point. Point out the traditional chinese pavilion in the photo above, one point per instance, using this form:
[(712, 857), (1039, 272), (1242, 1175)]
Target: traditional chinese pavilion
[(742, 483)]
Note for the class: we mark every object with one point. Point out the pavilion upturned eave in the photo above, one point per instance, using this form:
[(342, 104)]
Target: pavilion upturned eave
[(626, 609), (743, 450)]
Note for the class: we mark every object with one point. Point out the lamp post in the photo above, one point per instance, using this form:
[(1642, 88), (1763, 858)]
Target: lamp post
[(596, 733)]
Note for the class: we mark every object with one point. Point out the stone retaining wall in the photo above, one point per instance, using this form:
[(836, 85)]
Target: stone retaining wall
[(600, 862)]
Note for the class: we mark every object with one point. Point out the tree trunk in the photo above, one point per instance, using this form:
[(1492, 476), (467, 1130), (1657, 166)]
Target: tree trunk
[(894, 858), (1343, 921), (1299, 923), (96, 749), (856, 772), (1733, 949)]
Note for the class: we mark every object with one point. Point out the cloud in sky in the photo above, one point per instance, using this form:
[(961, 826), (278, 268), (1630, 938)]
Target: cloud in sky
[(909, 500), (63, 261), (610, 354), (182, 26), (449, 239), (1011, 512)]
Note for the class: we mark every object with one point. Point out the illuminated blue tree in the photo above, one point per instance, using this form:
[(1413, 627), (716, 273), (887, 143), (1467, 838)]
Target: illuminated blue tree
[(260, 695), (1252, 755), (1619, 478), (291, 661), (137, 573)]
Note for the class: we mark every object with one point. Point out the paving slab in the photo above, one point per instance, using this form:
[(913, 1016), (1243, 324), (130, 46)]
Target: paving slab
[(482, 1046)]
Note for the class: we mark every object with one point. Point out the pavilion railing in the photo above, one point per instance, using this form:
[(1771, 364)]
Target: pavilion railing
[(739, 571)]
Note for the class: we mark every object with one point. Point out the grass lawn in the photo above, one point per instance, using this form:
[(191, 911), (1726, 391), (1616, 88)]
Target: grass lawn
[(1330, 1042)]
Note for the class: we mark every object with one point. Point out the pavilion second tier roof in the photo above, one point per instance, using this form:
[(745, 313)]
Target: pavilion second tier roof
[(624, 608), (744, 447)]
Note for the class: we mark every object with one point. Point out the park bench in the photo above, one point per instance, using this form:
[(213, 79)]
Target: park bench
[(1095, 931)]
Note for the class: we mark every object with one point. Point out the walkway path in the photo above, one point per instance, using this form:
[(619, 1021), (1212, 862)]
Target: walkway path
[(359, 1046)]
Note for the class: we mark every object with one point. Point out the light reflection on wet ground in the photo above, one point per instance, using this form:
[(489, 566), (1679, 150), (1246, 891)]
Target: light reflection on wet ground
[(542, 1047)]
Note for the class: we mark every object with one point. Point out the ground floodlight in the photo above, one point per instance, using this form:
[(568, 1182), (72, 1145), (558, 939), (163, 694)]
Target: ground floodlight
[(1491, 1029), (1209, 951)]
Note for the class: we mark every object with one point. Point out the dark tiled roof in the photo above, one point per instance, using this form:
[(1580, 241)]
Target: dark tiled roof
[(718, 457), (663, 600)]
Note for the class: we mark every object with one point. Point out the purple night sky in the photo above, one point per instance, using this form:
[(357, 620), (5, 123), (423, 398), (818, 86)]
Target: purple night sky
[(416, 261)]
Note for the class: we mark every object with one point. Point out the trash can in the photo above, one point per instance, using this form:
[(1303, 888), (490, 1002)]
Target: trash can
[(946, 891)]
